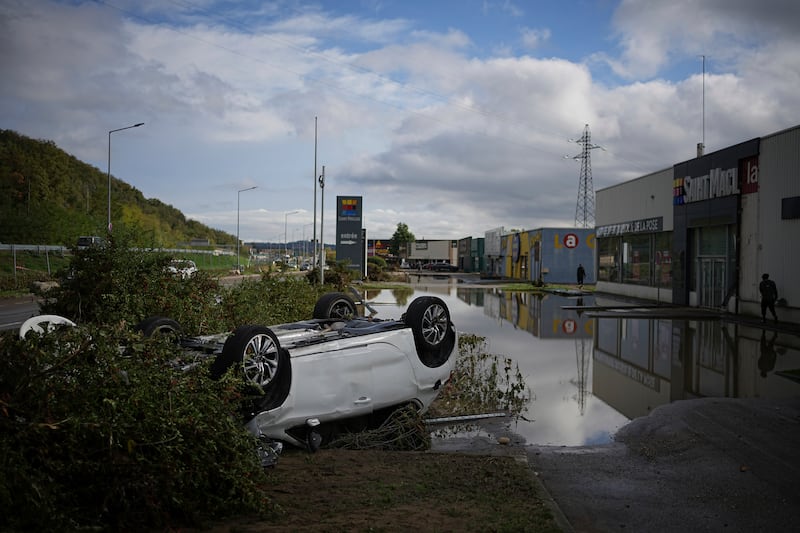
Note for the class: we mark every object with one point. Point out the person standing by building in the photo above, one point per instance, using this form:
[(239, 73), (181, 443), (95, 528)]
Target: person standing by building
[(769, 295), (581, 275)]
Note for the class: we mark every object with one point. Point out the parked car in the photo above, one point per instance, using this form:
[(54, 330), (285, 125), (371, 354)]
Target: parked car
[(184, 268), (311, 379), (86, 241), (444, 267)]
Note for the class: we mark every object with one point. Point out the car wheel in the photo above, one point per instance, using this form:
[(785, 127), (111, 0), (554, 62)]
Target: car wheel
[(43, 324), (159, 325), (257, 356), (434, 334), (335, 305)]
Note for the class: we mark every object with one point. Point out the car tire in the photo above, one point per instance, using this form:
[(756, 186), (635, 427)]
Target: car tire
[(335, 305), (265, 367), (159, 325), (434, 333)]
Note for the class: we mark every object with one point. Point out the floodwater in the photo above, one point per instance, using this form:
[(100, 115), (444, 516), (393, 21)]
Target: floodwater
[(590, 376)]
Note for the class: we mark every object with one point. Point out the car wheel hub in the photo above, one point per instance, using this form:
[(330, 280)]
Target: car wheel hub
[(434, 324)]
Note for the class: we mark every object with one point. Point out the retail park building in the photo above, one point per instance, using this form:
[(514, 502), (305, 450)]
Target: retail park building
[(699, 233)]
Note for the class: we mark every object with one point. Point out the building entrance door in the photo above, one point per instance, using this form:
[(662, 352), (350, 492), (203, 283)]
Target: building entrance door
[(712, 282)]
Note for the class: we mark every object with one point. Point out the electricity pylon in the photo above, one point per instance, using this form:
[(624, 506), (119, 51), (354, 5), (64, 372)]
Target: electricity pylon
[(584, 212)]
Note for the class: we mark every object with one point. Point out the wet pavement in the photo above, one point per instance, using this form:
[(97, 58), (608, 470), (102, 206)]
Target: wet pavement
[(705, 465), (701, 465), (694, 465)]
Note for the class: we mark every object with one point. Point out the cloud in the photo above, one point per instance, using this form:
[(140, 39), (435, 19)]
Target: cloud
[(427, 132), (653, 35), (534, 38)]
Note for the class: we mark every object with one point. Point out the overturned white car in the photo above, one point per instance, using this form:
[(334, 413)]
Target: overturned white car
[(310, 379)]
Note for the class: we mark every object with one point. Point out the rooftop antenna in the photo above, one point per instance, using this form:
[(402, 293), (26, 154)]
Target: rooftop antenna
[(701, 147), (584, 211)]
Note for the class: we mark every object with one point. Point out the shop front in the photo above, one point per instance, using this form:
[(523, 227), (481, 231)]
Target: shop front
[(706, 206)]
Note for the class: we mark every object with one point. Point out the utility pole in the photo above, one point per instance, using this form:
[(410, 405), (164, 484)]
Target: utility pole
[(584, 211), (321, 227), (314, 238)]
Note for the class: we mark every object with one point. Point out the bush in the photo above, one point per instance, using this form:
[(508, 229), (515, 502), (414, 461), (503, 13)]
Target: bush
[(92, 436), (117, 282), (376, 269), (482, 383), (338, 277), (268, 300), (98, 430)]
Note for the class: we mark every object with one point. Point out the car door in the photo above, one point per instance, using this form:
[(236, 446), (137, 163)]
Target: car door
[(332, 384)]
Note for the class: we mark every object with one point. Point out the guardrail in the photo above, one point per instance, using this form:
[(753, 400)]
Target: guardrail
[(44, 248), (38, 248), (61, 250)]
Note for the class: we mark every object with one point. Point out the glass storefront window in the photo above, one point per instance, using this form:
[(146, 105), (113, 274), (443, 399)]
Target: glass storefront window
[(608, 259), (663, 266), (636, 259), (713, 240)]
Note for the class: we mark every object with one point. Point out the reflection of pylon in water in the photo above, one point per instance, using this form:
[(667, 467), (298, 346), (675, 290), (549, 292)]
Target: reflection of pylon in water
[(583, 373)]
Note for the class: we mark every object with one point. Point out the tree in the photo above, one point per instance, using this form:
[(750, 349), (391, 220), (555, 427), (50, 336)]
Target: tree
[(402, 236)]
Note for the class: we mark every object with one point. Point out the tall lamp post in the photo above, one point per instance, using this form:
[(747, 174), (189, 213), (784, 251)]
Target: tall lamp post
[(285, 231), (321, 227), (109, 167), (305, 247), (238, 201)]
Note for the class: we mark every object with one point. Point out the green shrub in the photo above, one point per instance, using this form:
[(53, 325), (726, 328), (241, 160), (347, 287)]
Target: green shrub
[(482, 383), (376, 269), (338, 277), (269, 300), (95, 436), (118, 282), (377, 261)]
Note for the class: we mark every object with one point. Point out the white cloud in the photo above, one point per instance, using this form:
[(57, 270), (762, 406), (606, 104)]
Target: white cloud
[(430, 135), (534, 38)]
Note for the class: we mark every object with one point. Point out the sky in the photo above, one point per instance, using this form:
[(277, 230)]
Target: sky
[(454, 117)]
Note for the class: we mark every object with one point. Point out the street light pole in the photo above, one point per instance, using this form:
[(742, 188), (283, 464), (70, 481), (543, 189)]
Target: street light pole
[(109, 167), (238, 201), (285, 231), (305, 243), (322, 227)]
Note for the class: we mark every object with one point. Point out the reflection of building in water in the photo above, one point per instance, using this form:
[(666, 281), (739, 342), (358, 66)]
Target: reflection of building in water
[(543, 316), (471, 296), (640, 364)]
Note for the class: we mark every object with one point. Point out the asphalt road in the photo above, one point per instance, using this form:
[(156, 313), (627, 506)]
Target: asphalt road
[(14, 311)]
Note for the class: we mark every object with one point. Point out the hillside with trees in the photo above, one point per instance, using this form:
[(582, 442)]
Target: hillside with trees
[(48, 196)]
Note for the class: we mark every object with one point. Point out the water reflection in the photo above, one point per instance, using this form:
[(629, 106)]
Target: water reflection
[(641, 364), (589, 376)]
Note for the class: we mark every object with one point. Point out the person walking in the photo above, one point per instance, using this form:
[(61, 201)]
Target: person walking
[(769, 295), (581, 275)]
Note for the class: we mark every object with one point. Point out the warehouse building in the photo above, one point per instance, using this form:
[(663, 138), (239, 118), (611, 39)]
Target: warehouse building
[(703, 232)]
